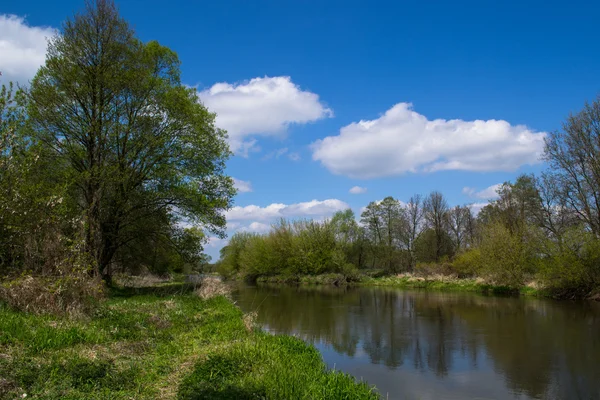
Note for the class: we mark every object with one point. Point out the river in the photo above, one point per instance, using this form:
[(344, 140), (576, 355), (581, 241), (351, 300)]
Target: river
[(436, 345)]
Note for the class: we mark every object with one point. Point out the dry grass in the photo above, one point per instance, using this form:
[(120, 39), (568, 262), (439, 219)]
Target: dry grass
[(75, 295), (212, 287), (139, 281), (250, 320)]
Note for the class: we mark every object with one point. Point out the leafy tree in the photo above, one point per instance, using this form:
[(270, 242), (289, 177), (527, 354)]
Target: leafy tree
[(350, 237), (134, 141)]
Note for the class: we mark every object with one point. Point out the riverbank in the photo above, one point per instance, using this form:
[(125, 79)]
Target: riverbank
[(166, 343), (408, 281), (450, 283)]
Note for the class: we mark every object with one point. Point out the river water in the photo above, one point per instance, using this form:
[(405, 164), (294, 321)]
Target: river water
[(435, 345)]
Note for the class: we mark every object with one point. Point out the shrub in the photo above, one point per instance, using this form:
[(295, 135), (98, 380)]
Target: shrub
[(506, 257), (572, 267), (468, 264)]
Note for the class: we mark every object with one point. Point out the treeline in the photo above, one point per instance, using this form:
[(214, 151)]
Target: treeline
[(107, 159), (540, 228)]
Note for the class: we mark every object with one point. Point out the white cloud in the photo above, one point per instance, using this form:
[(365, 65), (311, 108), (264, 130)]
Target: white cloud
[(314, 208), (294, 156), (488, 193), (358, 190), (262, 106), (22, 48), (402, 140), (242, 186), (256, 227)]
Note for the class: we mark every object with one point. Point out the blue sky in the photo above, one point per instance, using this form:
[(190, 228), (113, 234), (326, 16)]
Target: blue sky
[(453, 96)]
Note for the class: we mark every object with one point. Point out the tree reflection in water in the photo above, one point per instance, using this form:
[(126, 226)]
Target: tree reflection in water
[(523, 348)]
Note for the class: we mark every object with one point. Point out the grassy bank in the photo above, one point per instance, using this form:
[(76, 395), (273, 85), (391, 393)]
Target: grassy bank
[(149, 345), (440, 282), (406, 281)]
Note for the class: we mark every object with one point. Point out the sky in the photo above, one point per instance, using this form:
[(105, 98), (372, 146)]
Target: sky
[(333, 104)]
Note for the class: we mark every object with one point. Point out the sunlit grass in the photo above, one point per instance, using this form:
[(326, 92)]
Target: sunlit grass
[(150, 346)]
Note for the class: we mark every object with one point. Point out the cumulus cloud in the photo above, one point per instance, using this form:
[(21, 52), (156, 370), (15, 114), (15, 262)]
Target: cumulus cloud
[(314, 208), (242, 186), (402, 140), (261, 107), (256, 227), (22, 48), (358, 190), (489, 193)]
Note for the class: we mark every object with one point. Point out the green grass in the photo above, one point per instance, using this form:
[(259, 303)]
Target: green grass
[(147, 345)]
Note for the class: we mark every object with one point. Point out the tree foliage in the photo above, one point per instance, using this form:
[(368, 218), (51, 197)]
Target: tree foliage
[(127, 154)]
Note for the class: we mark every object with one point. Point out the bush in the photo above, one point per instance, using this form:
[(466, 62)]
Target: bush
[(468, 264), (506, 257), (73, 295), (572, 268)]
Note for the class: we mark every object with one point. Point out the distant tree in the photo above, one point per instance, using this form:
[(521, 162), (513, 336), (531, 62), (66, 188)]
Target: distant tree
[(349, 236), (459, 218), (412, 227), (371, 220), (391, 218), (134, 141), (435, 209)]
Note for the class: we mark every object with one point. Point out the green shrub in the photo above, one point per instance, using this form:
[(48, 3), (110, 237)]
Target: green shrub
[(468, 264), (572, 267), (507, 258)]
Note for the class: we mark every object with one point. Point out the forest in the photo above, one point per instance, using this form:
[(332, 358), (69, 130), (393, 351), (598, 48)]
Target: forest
[(541, 230)]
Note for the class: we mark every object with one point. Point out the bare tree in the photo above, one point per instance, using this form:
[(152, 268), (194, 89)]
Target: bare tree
[(435, 209), (412, 226), (574, 157), (458, 222)]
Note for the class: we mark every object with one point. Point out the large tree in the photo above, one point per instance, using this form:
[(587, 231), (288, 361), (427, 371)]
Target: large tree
[(137, 143)]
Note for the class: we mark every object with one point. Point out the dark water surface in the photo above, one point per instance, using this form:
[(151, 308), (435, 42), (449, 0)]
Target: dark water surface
[(434, 345)]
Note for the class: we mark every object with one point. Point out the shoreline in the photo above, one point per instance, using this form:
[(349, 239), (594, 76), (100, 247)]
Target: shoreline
[(409, 281)]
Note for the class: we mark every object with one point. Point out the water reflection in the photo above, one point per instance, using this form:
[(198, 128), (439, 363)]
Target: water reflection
[(442, 345)]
